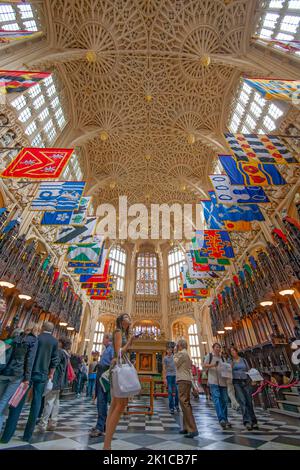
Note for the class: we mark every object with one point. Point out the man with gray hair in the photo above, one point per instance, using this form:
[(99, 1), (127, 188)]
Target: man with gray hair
[(44, 365), (102, 395), (183, 365)]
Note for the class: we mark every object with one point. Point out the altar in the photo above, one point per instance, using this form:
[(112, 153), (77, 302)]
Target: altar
[(148, 355)]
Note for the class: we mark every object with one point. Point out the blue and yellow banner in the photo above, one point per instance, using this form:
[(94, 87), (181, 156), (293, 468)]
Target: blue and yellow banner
[(251, 174), (272, 89)]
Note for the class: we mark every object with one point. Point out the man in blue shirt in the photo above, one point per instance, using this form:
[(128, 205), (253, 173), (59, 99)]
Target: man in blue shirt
[(102, 396)]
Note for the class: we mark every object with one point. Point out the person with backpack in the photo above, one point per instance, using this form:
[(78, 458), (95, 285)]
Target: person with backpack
[(45, 362), (20, 358), (243, 389), (49, 417), (214, 364), (81, 378)]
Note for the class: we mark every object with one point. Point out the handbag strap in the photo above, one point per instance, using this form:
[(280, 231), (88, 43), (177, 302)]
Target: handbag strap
[(123, 358)]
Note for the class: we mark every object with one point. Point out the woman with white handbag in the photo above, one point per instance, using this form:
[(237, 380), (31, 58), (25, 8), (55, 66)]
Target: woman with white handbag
[(124, 378)]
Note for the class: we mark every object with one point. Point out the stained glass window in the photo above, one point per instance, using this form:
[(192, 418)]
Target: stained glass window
[(16, 17), (40, 111), (98, 337), (117, 257), (194, 345), (176, 260), (147, 274), (280, 20), (255, 114)]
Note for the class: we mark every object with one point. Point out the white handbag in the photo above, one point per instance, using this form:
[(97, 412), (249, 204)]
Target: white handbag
[(125, 381)]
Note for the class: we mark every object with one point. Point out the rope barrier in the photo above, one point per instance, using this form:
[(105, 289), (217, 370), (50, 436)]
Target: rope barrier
[(278, 387)]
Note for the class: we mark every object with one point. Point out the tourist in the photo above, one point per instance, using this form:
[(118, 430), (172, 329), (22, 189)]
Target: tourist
[(183, 365), (230, 388), (101, 395), (169, 371), (91, 378), (45, 362), (217, 384), (75, 361), (81, 377), (121, 343), (60, 381), (22, 351), (243, 389)]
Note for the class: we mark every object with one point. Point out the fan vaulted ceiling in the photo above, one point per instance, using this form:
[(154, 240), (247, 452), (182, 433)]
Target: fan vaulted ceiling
[(135, 71)]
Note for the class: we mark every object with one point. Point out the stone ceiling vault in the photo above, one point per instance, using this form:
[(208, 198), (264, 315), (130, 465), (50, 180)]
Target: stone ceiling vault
[(133, 69)]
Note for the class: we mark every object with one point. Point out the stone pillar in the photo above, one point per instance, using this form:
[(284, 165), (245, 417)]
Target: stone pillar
[(164, 295), (90, 328), (130, 282)]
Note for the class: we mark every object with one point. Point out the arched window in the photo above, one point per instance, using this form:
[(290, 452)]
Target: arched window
[(254, 114), (98, 337), (41, 113), (146, 274), (194, 345), (280, 21), (176, 260), (117, 258)]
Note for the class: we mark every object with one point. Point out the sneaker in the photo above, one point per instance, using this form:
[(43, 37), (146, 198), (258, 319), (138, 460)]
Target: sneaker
[(41, 428), (228, 425), (248, 426), (51, 427), (96, 433), (183, 431), (177, 409), (78, 395), (172, 412), (223, 424), (190, 435), (255, 426)]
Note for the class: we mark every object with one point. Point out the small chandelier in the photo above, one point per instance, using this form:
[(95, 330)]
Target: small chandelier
[(266, 303), (63, 323), (7, 284), (220, 332), (24, 297), (70, 328), (228, 328), (287, 292)]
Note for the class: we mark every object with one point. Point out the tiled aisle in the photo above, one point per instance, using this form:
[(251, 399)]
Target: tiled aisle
[(159, 432)]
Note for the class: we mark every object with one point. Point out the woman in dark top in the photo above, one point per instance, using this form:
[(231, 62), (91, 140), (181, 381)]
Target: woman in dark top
[(18, 369), (121, 343), (243, 389)]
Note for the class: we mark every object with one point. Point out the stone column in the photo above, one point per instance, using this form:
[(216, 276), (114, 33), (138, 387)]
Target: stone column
[(130, 282), (164, 295)]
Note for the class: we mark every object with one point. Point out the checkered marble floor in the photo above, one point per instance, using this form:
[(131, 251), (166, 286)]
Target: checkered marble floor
[(159, 432)]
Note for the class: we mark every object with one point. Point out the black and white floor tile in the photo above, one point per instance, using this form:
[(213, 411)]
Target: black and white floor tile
[(158, 432)]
